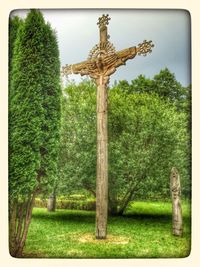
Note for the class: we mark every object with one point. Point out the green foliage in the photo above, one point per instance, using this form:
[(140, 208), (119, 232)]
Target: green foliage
[(144, 233), (14, 24), (77, 161), (140, 85), (34, 108), (164, 84), (147, 137)]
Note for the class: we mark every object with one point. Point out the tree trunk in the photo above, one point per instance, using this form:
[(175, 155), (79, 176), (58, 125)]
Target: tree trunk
[(102, 161), (12, 226), (125, 203), (177, 221), (112, 206), (51, 204), (129, 195), (19, 221)]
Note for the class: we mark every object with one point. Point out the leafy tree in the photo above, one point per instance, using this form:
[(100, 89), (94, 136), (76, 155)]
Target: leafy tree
[(164, 84), (77, 160), (140, 85), (147, 136), (167, 87), (34, 122)]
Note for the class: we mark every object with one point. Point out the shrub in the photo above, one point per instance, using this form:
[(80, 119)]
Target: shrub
[(71, 204)]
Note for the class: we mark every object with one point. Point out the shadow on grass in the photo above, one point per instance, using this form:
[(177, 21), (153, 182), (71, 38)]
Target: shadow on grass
[(80, 217), (68, 215), (141, 216), (154, 215), (144, 218), (77, 216), (141, 219)]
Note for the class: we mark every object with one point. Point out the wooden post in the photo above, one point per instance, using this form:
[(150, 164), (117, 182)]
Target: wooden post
[(102, 62), (102, 161), (177, 221), (51, 203)]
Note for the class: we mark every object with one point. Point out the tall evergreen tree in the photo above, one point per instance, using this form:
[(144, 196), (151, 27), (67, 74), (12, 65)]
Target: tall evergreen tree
[(14, 24), (34, 122)]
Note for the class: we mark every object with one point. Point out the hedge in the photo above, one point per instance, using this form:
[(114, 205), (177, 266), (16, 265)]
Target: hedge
[(68, 204)]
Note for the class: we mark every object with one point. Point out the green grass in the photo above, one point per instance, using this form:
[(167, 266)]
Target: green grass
[(144, 232)]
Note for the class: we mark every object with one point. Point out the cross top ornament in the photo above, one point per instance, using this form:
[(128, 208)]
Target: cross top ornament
[(103, 21), (102, 62)]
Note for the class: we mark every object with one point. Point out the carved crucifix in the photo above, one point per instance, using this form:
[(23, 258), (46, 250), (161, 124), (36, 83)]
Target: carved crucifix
[(102, 62)]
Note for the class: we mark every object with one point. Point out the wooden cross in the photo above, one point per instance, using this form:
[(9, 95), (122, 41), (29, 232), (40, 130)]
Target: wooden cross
[(102, 62)]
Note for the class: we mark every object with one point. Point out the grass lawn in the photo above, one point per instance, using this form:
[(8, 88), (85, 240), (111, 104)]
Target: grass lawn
[(144, 232)]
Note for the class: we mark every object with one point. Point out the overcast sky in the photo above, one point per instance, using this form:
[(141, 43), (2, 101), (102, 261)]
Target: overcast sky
[(77, 33)]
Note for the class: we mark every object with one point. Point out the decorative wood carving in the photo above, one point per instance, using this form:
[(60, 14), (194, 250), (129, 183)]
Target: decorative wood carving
[(175, 186), (102, 62), (106, 62)]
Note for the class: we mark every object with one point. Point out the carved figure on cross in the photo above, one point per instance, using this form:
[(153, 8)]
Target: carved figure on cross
[(103, 58)]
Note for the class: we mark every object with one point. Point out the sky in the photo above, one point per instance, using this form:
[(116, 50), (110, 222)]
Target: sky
[(77, 33)]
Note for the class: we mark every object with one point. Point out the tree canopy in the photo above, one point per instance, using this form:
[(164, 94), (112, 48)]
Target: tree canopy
[(147, 137), (164, 84)]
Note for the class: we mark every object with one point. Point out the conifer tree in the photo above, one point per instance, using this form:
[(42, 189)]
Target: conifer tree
[(34, 122), (14, 24)]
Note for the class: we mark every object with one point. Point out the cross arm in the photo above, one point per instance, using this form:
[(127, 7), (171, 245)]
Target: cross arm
[(124, 55), (107, 63), (79, 68), (120, 57), (131, 52), (88, 67)]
